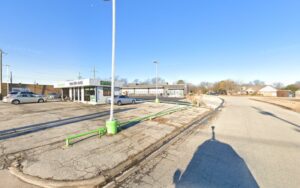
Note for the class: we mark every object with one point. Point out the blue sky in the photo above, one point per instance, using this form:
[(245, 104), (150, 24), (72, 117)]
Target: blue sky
[(194, 40)]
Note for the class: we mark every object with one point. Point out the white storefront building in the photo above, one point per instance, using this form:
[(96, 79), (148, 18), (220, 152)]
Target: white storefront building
[(91, 91)]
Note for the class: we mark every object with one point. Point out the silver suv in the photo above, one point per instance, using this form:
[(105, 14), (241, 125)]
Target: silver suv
[(123, 99), (24, 97)]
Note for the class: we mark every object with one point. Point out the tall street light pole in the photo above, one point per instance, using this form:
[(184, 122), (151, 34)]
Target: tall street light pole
[(156, 67), (111, 124)]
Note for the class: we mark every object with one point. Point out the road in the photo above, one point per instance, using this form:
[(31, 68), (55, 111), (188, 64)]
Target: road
[(254, 144)]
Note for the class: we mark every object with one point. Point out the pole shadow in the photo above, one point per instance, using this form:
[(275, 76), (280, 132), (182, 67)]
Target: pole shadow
[(215, 164), (273, 115)]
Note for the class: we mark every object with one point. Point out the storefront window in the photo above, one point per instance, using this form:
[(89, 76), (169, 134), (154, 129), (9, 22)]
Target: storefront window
[(106, 91), (88, 92)]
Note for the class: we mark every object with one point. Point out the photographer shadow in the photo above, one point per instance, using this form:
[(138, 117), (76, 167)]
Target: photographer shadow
[(215, 164)]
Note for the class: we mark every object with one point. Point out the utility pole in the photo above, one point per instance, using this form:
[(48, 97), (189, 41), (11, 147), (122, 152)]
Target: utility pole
[(1, 73), (94, 72), (11, 79), (1, 52), (156, 68), (7, 74), (79, 76)]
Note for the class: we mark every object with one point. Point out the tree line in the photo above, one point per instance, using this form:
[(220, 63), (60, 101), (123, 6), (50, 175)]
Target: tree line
[(231, 86), (220, 87)]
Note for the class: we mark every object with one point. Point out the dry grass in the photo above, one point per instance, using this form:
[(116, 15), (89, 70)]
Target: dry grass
[(289, 103)]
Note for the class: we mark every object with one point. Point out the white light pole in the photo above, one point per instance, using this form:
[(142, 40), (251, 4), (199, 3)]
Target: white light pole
[(111, 124), (156, 67)]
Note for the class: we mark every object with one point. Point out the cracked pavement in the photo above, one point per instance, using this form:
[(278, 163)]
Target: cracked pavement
[(41, 151)]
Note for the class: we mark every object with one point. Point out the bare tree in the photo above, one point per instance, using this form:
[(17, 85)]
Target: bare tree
[(204, 87), (225, 87), (278, 85), (123, 81), (257, 83), (136, 81), (297, 84), (159, 80)]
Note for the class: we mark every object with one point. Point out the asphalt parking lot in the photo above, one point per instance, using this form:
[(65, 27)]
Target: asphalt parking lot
[(27, 126), (32, 135)]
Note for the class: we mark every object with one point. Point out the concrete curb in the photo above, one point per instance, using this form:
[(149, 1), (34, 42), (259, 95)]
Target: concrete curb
[(89, 183), (281, 106), (115, 173)]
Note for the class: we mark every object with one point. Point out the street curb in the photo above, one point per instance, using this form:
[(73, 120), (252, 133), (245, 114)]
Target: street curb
[(279, 105), (89, 183), (119, 172)]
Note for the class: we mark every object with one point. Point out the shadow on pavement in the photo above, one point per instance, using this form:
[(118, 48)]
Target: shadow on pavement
[(128, 125), (273, 115), (215, 164), (15, 132)]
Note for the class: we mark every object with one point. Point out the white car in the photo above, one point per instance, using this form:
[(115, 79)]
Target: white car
[(123, 99), (23, 97)]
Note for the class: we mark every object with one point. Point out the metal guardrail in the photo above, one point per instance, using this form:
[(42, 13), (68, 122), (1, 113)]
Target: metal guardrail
[(102, 131)]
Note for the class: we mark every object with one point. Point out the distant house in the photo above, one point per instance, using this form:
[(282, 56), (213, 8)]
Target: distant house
[(268, 91), (297, 93), (253, 90), (284, 93), (250, 90)]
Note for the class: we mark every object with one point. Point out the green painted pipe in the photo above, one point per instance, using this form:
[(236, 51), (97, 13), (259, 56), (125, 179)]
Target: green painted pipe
[(102, 131)]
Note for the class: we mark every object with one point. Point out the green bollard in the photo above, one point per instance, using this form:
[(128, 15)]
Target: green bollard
[(67, 142), (111, 127), (157, 100)]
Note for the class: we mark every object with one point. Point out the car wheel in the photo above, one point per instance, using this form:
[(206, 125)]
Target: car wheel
[(40, 100), (119, 103), (133, 101), (15, 102)]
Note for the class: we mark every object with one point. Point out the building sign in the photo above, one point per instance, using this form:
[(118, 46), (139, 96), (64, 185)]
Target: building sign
[(60, 84), (76, 83), (22, 89), (105, 83)]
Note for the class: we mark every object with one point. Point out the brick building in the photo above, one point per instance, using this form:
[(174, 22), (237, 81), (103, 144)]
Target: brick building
[(36, 88)]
